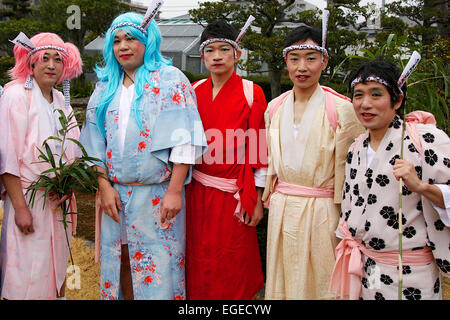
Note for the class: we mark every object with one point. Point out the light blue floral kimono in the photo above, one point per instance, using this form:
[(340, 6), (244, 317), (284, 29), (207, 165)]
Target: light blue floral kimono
[(169, 117)]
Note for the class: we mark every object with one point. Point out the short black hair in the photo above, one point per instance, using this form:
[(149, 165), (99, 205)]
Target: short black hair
[(303, 33), (385, 70), (219, 29)]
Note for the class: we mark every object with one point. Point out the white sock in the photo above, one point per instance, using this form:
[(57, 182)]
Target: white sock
[(62, 298)]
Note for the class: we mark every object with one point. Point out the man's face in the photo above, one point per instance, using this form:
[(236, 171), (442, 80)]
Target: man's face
[(305, 66)]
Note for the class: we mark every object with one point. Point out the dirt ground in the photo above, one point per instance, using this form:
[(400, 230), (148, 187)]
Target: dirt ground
[(83, 254)]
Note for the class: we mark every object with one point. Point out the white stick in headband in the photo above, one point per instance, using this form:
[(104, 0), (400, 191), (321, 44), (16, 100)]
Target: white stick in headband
[(245, 28), (410, 66), (23, 41), (325, 17), (152, 10)]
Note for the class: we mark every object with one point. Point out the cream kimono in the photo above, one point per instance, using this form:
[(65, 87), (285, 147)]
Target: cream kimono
[(370, 208), (301, 239), (34, 265)]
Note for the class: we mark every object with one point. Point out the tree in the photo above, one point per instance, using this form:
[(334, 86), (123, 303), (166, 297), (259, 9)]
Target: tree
[(95, 18), (16, 9)]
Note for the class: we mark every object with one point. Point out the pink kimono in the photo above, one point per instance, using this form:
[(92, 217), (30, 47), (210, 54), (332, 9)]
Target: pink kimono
[(33, 266)]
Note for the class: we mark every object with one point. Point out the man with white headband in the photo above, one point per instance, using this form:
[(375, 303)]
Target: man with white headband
[(223, 202), (309, 130), (34, 253), (367, 264)]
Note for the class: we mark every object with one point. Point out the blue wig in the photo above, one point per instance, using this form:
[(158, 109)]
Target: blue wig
[(112, 71)]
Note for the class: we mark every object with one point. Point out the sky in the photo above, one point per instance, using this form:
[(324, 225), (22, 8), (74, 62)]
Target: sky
[(172, 8)]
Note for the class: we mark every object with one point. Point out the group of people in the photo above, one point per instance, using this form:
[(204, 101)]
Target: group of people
[(181, 190)]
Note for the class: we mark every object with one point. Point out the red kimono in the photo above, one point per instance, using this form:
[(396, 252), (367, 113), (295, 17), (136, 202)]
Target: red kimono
[(222, 253)]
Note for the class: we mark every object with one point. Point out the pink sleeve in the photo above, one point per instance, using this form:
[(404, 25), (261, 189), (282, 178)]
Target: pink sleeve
[(13, 128)]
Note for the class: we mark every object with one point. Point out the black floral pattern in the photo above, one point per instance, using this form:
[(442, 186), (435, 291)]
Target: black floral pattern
[(430, 157), (382, 180), (367, 226), (412, 148), (352, 231), (387, 212), (368, 174), (405, 191), (392, 161), (439, 225), (406, 269), (390, 145), (347, 214), (347, 187), (369, 263), (356, 190), (377, 244), (349, 157), (353, 173), (419, 206), (359, 202), (447, 162), (364, 282), (444, 265), (409, 232), (366, 142), (428, 137), (412, 293), (437, 286), (419, 171), (386, 279), (371, 199), (393, 221), (379, 296), (395, 123)]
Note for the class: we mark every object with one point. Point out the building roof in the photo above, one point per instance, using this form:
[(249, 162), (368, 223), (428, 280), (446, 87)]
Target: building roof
[(177, 35)]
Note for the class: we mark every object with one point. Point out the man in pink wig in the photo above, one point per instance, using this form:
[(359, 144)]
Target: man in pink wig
[(34, 253)]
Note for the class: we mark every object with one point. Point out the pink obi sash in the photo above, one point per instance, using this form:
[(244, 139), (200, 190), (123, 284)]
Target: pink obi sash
[(349, 268), (223, 184), (300, 191)]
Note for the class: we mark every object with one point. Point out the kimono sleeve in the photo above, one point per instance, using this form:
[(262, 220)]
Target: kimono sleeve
[(178, 122), (257, 135), (13, 129), (271, 175), (347, 130), (91, 137), (435, 158)]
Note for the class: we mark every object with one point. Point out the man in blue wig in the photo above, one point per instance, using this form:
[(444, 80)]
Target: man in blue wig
[(142, 122)]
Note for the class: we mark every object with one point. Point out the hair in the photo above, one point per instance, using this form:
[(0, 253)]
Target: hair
[(72, 63), (111, 72), (387, 71), (218, 29), (303, 33)]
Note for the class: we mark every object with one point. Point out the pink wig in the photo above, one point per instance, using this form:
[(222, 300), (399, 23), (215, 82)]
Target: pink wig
[(72, 63)]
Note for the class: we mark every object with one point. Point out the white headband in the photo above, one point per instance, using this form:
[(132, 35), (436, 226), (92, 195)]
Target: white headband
[(23, 41), (410, 66), (325, 17), (304, 46), (235, 43), (152, 10), (209, 41), (45, 48)]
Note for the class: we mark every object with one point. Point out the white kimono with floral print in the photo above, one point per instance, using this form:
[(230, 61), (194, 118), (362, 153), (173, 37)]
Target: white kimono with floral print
[(370, 207)]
